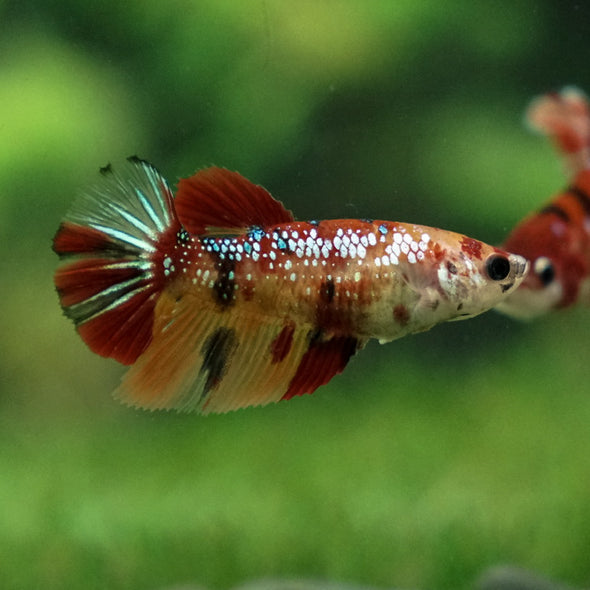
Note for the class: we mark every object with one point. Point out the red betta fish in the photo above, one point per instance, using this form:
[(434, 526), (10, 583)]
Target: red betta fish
[(218, 299), (556, 239)]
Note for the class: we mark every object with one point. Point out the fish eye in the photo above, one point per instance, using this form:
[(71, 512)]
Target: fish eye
[(497, 267), (544, 269)]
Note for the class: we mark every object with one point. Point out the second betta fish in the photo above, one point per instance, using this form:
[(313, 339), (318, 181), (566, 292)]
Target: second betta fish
[(218, 299), (556, 238)]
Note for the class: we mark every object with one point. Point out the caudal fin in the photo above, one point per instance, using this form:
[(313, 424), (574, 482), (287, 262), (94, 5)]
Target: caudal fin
[(110, 246)]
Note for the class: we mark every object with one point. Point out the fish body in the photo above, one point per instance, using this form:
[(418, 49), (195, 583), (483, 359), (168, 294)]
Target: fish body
[(219, 299), (556, 238)]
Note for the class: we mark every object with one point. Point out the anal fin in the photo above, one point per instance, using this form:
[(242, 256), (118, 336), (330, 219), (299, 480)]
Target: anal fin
[(210, 360)]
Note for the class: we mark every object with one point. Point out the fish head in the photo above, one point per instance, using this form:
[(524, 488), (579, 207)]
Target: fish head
[(554, 250), (470, 277)]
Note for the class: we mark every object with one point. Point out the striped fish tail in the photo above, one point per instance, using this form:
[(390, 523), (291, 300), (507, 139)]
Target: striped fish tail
[(111, 247)]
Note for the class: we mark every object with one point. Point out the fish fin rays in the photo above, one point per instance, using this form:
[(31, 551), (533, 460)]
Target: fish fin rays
[(212, 361), (185, 350), (111, 304), (216, 198), (109, 277)]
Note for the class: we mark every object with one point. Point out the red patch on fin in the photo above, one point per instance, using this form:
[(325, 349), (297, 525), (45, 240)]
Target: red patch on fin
[(111, 304), (218, 198), (83, 279), (471, 247), (124, 332), (72, 238), (108, 291), (320, 363), (282, 344)]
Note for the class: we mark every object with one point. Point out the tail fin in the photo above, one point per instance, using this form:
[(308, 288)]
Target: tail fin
[(564, 117), (110, 246)]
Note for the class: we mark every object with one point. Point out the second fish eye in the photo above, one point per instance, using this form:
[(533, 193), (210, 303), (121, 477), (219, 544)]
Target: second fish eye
[(544, 269), (497, 267)]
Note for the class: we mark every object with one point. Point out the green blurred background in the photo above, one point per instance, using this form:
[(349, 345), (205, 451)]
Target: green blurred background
[(429, 459)]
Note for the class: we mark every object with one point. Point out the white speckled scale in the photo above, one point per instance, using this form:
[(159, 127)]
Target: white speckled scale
[(373, 278)]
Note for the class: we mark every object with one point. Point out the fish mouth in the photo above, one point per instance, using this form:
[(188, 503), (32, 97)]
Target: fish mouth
[(520, 266)]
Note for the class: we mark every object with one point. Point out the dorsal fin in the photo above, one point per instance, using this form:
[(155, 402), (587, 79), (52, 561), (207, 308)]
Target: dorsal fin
[(218, 198)]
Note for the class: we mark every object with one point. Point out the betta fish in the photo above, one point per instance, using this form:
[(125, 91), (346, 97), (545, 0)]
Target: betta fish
[(556, 238), (218, 299)]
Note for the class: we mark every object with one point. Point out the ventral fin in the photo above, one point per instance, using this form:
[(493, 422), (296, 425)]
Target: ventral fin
[(210, 361), (322, 360), (218, 200)]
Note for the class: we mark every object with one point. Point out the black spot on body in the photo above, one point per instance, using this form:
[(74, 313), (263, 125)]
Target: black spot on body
[(217, 352), (225, 264), (327, 291)]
